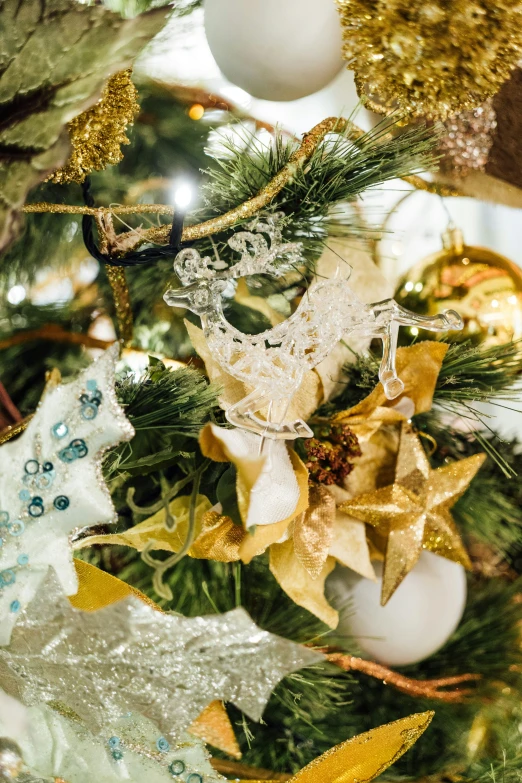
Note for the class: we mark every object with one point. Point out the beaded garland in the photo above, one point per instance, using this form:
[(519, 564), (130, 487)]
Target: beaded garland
[(177, 767), (54, 484)]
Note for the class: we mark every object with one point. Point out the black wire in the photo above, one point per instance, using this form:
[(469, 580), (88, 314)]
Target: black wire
[(147, 256)]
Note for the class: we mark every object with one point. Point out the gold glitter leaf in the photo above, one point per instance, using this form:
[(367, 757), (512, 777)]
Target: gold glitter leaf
[(430, 58), (362, 758), (97, 134)]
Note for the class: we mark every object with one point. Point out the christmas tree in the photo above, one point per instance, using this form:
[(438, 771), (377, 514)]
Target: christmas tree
[(258, 517)]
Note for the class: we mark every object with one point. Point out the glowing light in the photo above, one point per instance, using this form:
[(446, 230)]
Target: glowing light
[(419, 286), (513, 299), (196, 111), (409, 286), (183, 194), (465, 261), (494, 303), (16, 294), (414, 331)]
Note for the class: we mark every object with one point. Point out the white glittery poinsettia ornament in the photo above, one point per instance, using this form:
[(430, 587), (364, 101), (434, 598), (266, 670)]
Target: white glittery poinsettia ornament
[(51, 484)]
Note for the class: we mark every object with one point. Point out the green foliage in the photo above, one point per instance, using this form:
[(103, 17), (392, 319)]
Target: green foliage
[(315, 201)]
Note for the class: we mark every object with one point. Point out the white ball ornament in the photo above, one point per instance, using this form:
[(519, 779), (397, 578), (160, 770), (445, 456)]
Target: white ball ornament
[(278, 50), (418, 619)]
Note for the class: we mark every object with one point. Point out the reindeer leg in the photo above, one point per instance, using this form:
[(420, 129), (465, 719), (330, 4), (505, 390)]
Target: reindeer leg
[(393, 386), (243, 415), (444, 322)]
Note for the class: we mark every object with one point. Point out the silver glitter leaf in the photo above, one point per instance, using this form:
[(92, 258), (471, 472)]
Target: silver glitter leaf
[(130, 657), (51, 484)]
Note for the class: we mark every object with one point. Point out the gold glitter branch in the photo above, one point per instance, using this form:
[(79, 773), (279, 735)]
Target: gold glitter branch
[(127, 241)]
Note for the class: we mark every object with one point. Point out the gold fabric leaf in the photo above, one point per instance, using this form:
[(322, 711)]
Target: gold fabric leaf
[(153, 528), (418, 367), (313, 530), (213, 726), (97, 589), (299, 585), (219, 539)]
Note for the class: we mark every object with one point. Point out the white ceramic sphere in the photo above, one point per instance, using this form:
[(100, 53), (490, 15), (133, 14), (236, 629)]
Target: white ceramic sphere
[(278, 50), (418, 619)]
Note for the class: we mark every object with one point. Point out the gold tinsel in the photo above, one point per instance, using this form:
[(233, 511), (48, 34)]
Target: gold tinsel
[(430, 58), (97, 134)]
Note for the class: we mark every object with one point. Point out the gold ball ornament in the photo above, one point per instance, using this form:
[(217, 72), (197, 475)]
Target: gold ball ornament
[(430, 59), (484, 287), (97, 134)]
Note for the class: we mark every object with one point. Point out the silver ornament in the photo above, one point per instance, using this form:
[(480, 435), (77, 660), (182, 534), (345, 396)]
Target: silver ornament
[(11, 762)]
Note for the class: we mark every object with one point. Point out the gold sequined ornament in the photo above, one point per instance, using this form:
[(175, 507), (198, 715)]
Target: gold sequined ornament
[(468, 139), (483, 286), (413, 513), (431, 59), (97, 134)]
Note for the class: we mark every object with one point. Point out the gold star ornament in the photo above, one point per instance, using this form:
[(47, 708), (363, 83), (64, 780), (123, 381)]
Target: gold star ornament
[(413, 513)]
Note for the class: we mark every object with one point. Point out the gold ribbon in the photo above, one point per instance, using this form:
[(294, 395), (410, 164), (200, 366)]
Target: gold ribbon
[(418, 367)]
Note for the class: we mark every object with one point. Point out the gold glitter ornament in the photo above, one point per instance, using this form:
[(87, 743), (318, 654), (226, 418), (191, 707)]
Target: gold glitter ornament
[(97, 134), (413, 514), (483, 286), (431, 59)]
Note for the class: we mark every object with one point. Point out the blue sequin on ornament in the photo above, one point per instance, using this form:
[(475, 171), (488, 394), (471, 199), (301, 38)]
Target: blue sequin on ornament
[(77, 449), (60, 430), (32, 466), (7, 578), (36, 507), (61, 502), (22, 560), (90, 403), (117, 755), (89, 411), (15, 606), (114, 742), (177, 767), (45, 480), (92, 384), (162, 745), (4, 517), (194, 778), (16, 528), (24, 494)]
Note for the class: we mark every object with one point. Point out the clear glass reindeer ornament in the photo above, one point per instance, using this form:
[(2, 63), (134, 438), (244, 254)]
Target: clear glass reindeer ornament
[(274, 362)]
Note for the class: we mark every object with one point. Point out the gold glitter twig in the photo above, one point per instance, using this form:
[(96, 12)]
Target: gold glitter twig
[(118, 283), (427, 689), (124, 243), (73, 209)]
